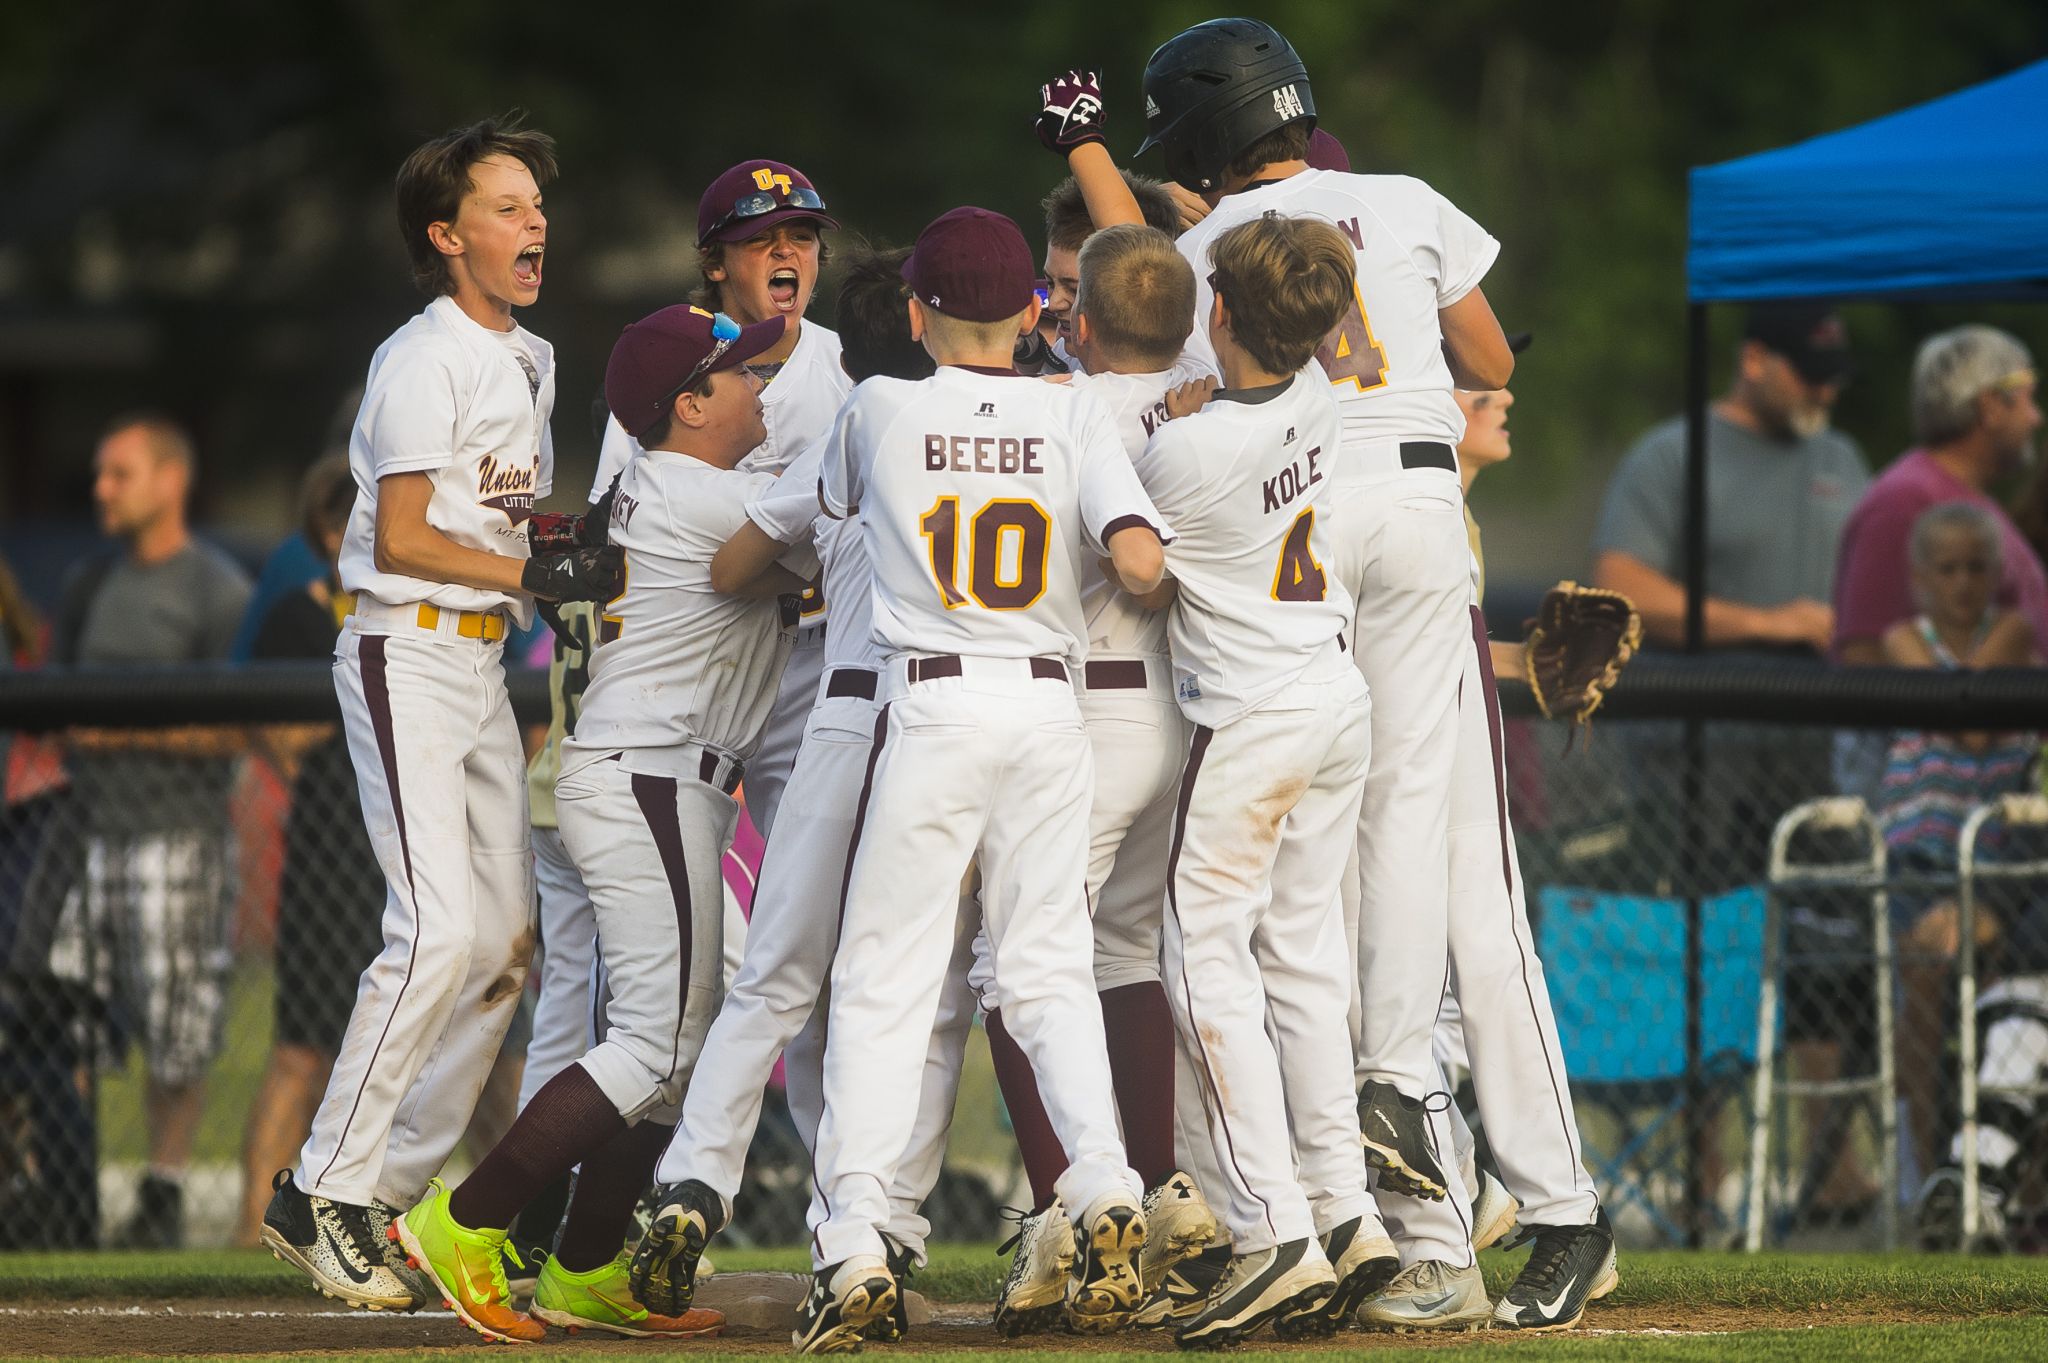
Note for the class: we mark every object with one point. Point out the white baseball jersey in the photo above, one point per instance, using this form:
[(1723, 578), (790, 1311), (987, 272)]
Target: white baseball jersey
[(1417, 254), (1241, 481), (788, 511), (979, 493), (1117, 625), (798, 405), (676, 662), (468, 407)]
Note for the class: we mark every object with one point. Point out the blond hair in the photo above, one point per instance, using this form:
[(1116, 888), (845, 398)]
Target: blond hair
[(1138, 294), (1285, 282), (942, 331)]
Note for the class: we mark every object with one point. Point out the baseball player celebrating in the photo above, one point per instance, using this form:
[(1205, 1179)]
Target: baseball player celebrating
[(679, 688), (795, 928), (759, 249), (449, 450), (978, 495), (1229, 104), (1275, 772), (1129, 325)]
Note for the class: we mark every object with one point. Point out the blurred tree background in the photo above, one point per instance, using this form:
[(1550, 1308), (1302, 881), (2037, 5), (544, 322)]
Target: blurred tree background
[(198, 209)]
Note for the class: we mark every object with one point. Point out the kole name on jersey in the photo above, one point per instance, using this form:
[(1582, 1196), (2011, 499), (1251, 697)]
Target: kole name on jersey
[(507, 488), (982, 454), (1284, 486)]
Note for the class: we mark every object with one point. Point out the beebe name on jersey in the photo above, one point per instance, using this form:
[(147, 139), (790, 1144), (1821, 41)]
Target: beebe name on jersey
[(982, 453)]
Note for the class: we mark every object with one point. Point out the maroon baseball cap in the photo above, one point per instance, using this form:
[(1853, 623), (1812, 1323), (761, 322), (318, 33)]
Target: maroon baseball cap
[(665, 352), (754, 196), (1325, 152), (972, 264)]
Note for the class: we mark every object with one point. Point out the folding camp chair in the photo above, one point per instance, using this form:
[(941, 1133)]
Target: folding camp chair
[(1616, 965)]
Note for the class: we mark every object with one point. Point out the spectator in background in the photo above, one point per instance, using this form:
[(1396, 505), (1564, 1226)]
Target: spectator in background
[(1933, 780), (1975, 416), (146, 926), (331, 894), (1780, 484)]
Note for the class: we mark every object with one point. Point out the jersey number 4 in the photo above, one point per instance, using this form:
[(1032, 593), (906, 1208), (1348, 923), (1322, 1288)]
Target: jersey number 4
[(1351, 354), (1298, 577), (1007, 543)]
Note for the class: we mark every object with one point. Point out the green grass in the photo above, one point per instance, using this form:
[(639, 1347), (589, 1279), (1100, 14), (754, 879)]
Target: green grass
[(2012, 1338)]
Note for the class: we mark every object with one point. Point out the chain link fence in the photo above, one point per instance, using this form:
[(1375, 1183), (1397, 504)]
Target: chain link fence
[(184, 912)]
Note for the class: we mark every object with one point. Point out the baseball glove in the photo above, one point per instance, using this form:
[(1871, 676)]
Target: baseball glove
[(1578, 643)]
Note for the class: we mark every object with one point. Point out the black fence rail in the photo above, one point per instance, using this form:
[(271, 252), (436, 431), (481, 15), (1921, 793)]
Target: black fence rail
[(190, 918)]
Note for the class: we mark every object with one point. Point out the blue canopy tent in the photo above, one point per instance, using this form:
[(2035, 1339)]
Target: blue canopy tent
[(1948, 200)]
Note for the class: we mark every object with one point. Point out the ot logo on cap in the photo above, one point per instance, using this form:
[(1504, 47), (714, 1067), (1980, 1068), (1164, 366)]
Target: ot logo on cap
[(768, 179)]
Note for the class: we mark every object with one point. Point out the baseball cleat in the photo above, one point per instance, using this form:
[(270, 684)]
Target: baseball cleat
[(1494, 1210), (1256, 1288), (1105, 1287), (467, 1267), (893, 1327), (1181, 1294), (1035, 1289), (1394, 1129), (1430, 1295), (1178, 1223), (1364, 1260), (1568, 1267), (602, 1299), (378, 1216), (1938, 1216), (330, 1242), (666, 1261), (844, 1300)]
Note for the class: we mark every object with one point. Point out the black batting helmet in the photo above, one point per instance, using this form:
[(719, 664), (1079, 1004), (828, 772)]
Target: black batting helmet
[(1216, 89)]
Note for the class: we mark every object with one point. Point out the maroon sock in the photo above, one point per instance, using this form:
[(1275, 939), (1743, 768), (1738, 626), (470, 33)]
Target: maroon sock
[(1044, 1158), (567, 1121), (1139, 1023), (607, 1190)]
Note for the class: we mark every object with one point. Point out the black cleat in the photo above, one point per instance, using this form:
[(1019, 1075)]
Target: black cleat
[(844, 1300), (893, 1327), (1394, 1129), (665, 1264), (1568, 1267), (1256, 1288), (1365, 1261)]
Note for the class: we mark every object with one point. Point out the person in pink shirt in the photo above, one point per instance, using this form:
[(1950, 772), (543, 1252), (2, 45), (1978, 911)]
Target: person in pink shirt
[(1975, 417)]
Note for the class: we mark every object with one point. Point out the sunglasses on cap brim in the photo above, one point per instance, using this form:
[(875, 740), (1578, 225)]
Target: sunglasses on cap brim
[(724, 331), (765, 201)]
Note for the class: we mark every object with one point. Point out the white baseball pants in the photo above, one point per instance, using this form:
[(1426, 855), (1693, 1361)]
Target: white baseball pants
[(1140, 741), (1258, 980), (993, 764), (774, 1005), (568, 944), (768, 771), (649, 847), (443, 785)]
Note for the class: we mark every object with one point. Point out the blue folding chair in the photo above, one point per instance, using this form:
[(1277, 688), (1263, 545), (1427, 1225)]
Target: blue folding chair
[(1616, 965)]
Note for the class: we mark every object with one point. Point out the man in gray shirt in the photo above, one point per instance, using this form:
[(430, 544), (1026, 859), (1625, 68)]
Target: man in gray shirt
[(1780, 485), (146, 922)]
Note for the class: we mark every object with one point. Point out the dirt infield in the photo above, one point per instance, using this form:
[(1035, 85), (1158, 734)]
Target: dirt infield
[(317, 1327)]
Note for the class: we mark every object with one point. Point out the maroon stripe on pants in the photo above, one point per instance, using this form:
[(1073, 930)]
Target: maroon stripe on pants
[(860, 821), (656, 796), (1507, 871), (1198, 747), (377, 695)]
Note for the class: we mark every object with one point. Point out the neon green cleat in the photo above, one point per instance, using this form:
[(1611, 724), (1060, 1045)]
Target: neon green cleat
[(468, 1266), (602, 1299)]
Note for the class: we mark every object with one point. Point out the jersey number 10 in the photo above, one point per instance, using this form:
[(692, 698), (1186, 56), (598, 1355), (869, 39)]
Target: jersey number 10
[(1008, 540)]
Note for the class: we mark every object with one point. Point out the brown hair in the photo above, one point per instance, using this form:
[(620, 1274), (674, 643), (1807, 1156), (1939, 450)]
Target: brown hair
[(166, 436), (872, 315), (1282, 144), (435, 177), (1285, 282), (710, 293), (327, 497), (1138, 294), (1067, 223)]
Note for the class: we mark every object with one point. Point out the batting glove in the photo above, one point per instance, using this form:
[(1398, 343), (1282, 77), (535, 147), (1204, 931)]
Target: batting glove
[(578, 575), (1070, 112)]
